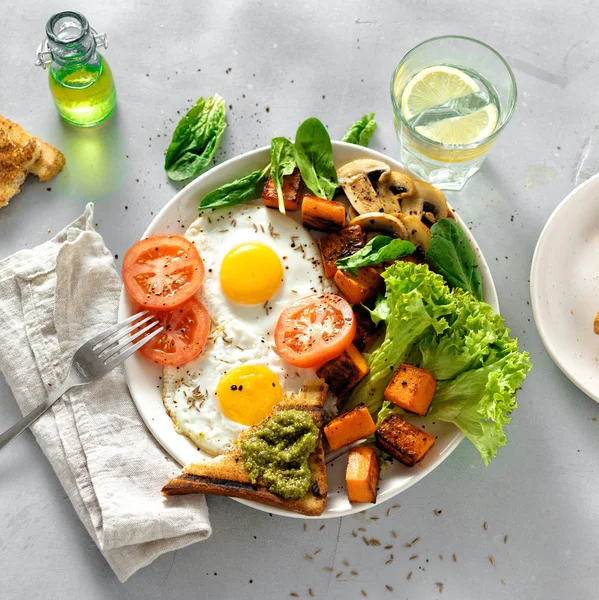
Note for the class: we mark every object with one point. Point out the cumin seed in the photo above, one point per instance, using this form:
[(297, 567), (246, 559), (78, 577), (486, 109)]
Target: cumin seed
[(361, 529), (396, 506), (388, 511), (364, 594), (407, 545), (338, 574), (415, 541), (388, 562), (491, 560), (437, 512), (389, 547), (505, 539), (485, 526), (374, 518), (440, 556), (440, 586), (414, 556), (305, 527), (327, 569), (321, 528), (374, 542), (294, 595), (223, 230), (354, 534), (393, 533), (354, 572), (311, 592), (455, 558), (308, 557), (366, 541), (389, 588), (346, 563), (409, 575), (318, 552)]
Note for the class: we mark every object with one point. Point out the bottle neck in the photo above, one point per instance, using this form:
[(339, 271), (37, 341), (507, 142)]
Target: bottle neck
[(70, 40)]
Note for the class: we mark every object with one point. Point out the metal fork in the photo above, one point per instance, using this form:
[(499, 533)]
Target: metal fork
[(92, 361)]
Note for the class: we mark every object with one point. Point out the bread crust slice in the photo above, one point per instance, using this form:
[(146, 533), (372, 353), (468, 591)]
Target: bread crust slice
[(227, 476), (21, 154)]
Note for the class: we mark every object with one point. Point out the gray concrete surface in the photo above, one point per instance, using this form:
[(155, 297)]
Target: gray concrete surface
[(276, 64)]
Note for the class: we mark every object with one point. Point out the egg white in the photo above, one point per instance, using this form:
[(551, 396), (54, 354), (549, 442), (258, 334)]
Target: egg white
[(241, 334)]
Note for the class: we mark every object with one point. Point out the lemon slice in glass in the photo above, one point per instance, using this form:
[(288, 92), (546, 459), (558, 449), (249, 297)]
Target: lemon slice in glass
[(462, 130), (435, 86)]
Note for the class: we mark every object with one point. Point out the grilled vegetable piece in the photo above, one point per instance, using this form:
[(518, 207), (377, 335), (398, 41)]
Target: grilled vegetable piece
[(344, 372), (292, 191), (339, 245), (366, 330), (362, 474), (349, 427), (321, 214), (411, 388), (361, 288), (402, 440)]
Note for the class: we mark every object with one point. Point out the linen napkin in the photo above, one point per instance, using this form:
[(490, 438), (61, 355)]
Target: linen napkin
[(54, 298)]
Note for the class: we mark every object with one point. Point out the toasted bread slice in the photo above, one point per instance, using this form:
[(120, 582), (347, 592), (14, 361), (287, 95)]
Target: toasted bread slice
[(226, 474), (20, 154)]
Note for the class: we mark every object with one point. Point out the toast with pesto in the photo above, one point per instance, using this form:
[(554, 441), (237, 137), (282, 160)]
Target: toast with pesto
[(231, 475)]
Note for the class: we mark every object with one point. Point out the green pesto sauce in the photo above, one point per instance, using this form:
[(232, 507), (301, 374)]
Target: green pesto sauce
[(278, 453)]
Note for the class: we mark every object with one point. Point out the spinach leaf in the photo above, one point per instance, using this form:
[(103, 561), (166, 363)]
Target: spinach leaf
[(282, 162), (361, 131), (195, 139), (234, 192), (377, 250), (450, 254), (314, 157)]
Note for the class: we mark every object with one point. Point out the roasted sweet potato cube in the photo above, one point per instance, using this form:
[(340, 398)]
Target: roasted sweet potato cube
[(402, 440), (344, 372), (323, 215), (291, 188), (361, 288), (349, 427), (362, 474), (339, 245), (412, 389), (366, 330)]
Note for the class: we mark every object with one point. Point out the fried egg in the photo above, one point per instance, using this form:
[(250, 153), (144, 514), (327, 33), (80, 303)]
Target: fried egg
[(257, 262)]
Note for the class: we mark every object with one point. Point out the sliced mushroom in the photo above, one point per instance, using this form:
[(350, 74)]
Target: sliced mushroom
[(434, 205), (418, 233), (358, 179), (394, 186), (382, 223)]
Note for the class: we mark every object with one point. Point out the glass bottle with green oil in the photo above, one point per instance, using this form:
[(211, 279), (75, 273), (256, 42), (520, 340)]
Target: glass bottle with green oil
[(80, 79)]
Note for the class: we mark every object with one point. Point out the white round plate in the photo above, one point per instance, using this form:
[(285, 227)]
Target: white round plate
[(564, 286), (143, 376)]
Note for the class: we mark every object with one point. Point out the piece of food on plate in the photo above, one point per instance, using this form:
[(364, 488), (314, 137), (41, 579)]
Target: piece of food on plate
[(279, 462), (339, 245), (322, 214), (402, 440), (362, 474), (596, 324), (349, 427), (412, 389), (366, 330), (344, 372), (257, 262), (21, 154), (292, 191), (361, 288)]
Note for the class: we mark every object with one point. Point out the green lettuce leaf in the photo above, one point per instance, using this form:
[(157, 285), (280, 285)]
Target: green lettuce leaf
[(415, 301), (377, 250), (479, 401)]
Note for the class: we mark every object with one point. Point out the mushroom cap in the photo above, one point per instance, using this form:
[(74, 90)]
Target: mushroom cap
[(418, 233), (395, 183), (434, 204), (381, 222), (362, 165)]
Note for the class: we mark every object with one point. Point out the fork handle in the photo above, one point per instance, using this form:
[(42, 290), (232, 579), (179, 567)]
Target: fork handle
[(10, 434)]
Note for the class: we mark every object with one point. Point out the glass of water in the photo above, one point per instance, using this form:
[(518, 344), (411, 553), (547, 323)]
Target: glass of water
[(452, 96)]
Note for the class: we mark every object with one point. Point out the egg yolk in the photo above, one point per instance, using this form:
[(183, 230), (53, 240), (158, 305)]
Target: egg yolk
[(246, 394), (251, 273)]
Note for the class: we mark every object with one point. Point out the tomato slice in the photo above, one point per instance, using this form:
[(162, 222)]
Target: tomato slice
[(162, 272), (315, 329), (186, 330)]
